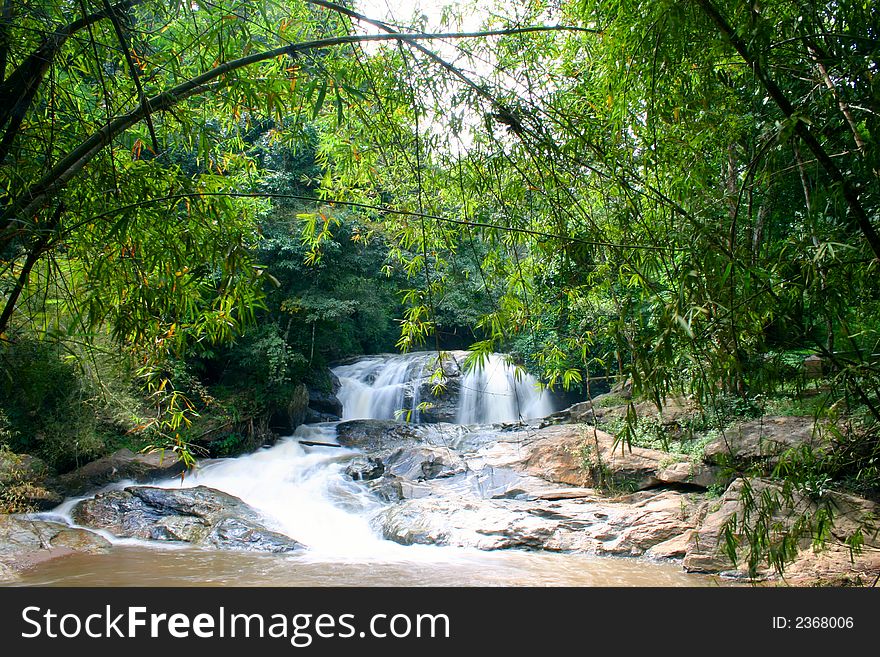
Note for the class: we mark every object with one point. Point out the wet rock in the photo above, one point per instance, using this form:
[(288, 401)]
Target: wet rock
[(422, 463), (315, 417), (365, 468), (326, 401), (375, 435), (197, 515), (241, 534), (765, 438), (119, 466), (25, 542), (478, 524)]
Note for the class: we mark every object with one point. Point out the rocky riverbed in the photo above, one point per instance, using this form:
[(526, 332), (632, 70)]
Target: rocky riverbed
[(560, 488)]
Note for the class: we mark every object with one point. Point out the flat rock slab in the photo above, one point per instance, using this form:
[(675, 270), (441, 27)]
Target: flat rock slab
[(587, 457), (706, 551), (626, 527)]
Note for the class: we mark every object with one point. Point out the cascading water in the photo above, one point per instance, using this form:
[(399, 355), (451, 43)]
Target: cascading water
[(391, 386), (497, 392), (302, 491), (376, 387)]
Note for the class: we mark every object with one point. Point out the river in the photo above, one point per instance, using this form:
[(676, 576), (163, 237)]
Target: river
[(303, 492)]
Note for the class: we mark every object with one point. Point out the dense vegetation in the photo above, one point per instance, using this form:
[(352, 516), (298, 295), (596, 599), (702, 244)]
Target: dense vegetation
[(204, 203)]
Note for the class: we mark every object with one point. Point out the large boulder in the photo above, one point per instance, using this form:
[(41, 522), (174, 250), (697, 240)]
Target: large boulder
[(375, 435), (585, 456), (614, 405), (284, 418), (372, 436), (25, 542), (727, 518), (123, 465), (199, 515), (325, 402), (765, 438)]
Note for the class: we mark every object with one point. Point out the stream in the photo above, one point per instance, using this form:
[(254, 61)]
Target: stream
[(307, 492)]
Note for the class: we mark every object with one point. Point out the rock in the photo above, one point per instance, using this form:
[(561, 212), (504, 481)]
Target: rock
[(614, 405), (23, 484), (813, 366), (850, 514), (765, 438), (673, 548), (477, 524), (25, 542), (578, 525), (556, 456), (365, 468), (692, 473), (648, 520), (375, 435), (422, 463), (585, 456), (296, 411), (326, 402), (241, 534), (197, 515), (316, 417), (372, 436), (119, 466), (20, 467)]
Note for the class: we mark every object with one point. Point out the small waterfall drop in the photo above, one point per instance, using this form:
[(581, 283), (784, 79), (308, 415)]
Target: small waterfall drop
[(393, 386), (498, 392), (303, 493), (377, 387)]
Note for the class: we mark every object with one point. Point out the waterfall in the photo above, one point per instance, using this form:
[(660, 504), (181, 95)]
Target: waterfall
[(376, 387), (391, 386), (498, 392)]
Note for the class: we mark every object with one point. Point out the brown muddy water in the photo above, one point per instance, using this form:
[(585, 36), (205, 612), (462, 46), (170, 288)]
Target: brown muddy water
[(127, 565)]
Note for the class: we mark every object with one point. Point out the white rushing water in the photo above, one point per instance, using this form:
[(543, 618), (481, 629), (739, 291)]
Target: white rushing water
[(498, 392), (376, 387), (386, 387), (302, 491)]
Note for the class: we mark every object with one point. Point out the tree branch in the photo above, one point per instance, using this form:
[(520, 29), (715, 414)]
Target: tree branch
[(803, 131), (18, 90), (70, 165), (136, 78)]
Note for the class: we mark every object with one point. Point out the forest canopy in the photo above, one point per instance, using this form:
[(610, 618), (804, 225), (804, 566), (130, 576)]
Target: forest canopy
[(682, 195)]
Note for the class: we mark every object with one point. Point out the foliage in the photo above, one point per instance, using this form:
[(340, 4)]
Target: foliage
[(681, 196)]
